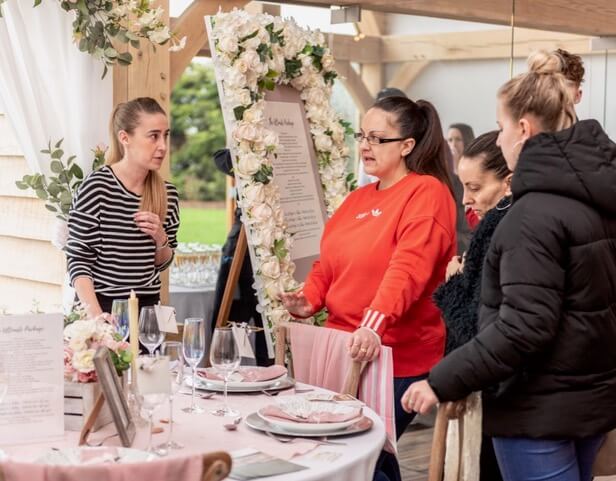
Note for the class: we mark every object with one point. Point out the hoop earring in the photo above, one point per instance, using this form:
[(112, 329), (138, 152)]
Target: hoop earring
[(504, 207)]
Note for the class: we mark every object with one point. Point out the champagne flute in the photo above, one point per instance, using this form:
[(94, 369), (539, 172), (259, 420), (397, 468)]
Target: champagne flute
[(119, 313), (173, 350), (193, 346), (225, 358), (149, 403), (149, 333)]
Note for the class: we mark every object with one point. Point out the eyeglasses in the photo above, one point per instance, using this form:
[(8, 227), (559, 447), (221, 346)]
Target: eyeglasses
[(373, 139)]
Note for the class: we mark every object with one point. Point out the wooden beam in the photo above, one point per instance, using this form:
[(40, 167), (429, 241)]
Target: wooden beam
[(373, 23), (192, 25), (373, 76), (588, 17), (355, 86), (406, 74), (485, 44)]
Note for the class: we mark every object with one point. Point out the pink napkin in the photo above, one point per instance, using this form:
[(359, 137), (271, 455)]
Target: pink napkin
[(248, 374), (275, 411)]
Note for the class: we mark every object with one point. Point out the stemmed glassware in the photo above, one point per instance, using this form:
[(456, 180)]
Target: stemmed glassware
[(173, 350), (119, 313), (193, 346), (149, 401), (225, 358), (149, 333)]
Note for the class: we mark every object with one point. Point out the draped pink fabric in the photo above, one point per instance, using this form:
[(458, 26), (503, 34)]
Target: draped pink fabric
[(320, 357), (188, 468)]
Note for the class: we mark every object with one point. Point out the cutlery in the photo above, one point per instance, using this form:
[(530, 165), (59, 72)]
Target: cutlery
[(232, 426), (286, 439), (206, 395)]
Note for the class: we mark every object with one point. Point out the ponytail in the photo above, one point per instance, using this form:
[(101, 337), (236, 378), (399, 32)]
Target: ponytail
[(420, 121), (126, 117)]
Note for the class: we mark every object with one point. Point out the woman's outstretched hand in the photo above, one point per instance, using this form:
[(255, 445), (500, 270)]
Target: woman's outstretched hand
[(297, 304), (419, 397)]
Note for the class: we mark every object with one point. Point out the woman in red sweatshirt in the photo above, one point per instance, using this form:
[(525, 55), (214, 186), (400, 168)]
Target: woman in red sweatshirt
[(386, 248)]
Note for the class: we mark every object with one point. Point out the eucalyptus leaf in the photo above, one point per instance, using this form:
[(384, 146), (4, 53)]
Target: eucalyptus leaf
[(51, 208), (57, 154), (56, 166), (41, 194), (76, 171), (59, 143), (21, 185)]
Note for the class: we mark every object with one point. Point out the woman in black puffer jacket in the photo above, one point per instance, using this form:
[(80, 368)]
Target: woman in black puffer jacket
[(486, 179), (547, 322)]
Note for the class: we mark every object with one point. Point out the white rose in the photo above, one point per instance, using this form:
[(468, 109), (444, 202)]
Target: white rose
[(323, 142), (273, 289), (83, 361), (235, 79), (241, 65), (252, 43), (238, 96), (246, 131), (261, 213), (254, 114), (80, 329), (249, 164), (270, 138), (271, 268), (228, 44), (251, 58), (254, 194), (327, 61), (279, 315)]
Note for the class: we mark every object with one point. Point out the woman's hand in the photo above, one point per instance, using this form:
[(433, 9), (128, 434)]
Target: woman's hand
[(364, 345), (297, 304), (454, 267), (419, 397), (150, 224)]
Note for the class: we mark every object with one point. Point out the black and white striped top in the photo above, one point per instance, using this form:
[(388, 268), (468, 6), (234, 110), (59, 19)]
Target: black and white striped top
[(104, 242)]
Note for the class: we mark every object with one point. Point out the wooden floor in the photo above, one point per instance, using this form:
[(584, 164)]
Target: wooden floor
[(414, 454)]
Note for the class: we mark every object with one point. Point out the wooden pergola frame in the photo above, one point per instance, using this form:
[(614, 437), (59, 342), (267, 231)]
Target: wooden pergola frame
[(154, 73)]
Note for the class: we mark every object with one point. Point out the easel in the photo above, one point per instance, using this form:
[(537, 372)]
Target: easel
[(91, 419), (234, 275)]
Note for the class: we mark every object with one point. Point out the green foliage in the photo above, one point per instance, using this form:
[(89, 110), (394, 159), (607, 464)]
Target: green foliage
[(58, 190), (197, 131), (207, 226)]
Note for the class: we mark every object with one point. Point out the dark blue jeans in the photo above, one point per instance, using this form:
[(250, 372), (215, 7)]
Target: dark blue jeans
[(387, 468), (523, 459)]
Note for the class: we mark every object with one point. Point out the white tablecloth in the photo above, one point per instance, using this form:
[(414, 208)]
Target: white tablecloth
[(200, 433), (192, 302)]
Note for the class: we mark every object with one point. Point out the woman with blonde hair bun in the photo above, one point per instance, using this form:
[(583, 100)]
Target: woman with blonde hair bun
[(124, 218), (547, 315)]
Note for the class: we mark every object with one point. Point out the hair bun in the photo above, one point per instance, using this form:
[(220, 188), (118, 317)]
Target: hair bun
[(545, 63)]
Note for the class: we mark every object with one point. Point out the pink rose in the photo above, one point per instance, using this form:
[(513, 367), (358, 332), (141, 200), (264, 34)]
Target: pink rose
[(86, 376), (68, 361)]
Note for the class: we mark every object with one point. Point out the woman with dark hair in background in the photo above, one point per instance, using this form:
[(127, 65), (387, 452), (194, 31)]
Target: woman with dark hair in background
[(486, 179), (459, 136), (124, 218)]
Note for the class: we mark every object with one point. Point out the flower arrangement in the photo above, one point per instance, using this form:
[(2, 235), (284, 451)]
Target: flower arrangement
[(100, 25), (255, 53), (81, 340)]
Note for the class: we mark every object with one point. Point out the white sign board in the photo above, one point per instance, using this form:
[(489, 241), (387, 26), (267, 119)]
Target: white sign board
[(31, 377)]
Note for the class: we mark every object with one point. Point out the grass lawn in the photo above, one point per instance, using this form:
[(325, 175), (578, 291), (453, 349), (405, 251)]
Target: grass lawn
[(202, 225)]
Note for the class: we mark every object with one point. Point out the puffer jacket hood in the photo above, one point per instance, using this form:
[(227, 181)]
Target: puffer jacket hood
[(579, 162)]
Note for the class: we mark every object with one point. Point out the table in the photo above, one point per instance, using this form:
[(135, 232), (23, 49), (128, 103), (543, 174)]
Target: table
[(192, 302), (204, 432)]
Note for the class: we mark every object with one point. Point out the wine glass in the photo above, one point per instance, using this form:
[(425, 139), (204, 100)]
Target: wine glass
[(119, 314), (149, 403), (225, 358), (149, 333), (193, 346), (173, 350)]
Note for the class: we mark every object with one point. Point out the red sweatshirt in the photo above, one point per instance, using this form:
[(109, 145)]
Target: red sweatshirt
[(382, 255)]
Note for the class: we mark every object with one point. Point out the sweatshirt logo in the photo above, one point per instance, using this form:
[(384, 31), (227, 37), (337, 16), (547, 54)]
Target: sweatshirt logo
[(373, 212)]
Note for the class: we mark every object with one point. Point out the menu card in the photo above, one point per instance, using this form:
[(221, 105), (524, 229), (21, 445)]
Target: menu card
[(31, 377)]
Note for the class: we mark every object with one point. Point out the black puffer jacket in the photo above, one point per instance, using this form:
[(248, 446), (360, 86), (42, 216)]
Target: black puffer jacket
[(547, 322), (458, 298)]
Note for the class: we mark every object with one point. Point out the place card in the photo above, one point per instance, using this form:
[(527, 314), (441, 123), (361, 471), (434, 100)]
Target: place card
[(153, 375), (240, 333), (253, 464), (165, 315), (31, 377)]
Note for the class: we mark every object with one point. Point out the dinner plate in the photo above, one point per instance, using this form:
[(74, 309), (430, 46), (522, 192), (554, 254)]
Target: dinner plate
[(285, 382), (308, 428), (258, 423), (258, 385), (85, 455)]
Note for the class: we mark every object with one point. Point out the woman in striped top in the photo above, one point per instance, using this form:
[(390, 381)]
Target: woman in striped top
[(124, 218)]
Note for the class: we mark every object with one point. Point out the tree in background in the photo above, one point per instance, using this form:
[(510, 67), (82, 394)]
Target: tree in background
[(197, 131)]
